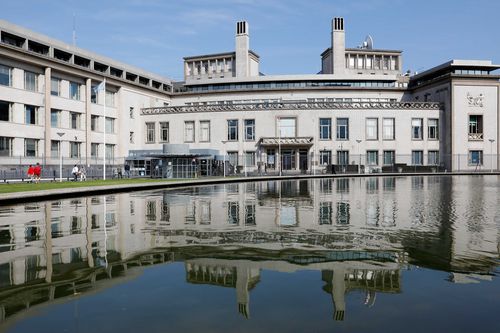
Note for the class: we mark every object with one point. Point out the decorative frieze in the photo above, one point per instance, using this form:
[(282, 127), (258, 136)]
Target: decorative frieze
[(293, 106)]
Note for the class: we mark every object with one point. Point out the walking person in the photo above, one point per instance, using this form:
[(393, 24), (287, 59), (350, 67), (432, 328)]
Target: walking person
[(75, 172), (127, 170), (37, 171), (31, 173)]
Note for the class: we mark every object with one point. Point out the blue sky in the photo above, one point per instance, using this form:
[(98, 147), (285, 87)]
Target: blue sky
[(289, 35)]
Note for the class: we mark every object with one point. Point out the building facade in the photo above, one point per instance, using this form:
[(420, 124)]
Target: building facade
[(360, 112)]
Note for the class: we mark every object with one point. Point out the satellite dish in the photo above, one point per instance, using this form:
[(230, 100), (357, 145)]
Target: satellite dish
[(368, 43)]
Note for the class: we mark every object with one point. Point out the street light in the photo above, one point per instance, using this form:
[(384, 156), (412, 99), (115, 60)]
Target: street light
[(359, 152), (491, 152), (61, 134)]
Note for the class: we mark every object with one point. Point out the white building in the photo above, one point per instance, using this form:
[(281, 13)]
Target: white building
[(359, 110)]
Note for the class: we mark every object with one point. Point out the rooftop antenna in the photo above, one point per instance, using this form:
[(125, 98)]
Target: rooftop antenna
[(74, 29)]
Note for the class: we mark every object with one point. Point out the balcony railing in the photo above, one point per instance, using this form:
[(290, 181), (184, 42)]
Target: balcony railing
[(475, 136)]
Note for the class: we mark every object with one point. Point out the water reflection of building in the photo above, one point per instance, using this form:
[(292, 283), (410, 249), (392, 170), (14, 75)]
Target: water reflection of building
[(456, 231)]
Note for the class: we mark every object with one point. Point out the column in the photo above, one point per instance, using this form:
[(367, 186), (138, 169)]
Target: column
[(47, 106), (88, 108)]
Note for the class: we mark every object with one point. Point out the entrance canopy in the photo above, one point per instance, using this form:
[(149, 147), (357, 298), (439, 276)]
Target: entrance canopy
[(290, 142)]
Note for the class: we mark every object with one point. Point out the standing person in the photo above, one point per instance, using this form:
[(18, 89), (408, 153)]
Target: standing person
[(74, 172), (127, 170), (37, 171), (31, 173)]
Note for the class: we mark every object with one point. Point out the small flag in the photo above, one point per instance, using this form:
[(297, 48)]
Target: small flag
[(99, 87)]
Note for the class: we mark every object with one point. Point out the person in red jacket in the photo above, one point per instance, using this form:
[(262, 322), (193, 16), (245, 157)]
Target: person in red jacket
[(37, 170), (31, 173)]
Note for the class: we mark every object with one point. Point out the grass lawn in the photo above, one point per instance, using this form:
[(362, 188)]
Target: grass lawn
[(22, 187)]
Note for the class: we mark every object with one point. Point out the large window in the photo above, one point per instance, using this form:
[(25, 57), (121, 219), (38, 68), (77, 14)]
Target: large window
[(205, 131), (94, 150), (74, 91), (433, 129), (433, 157), (30, 147), (389, 157), (388, 129), (371, 128), (110, 151), (249, 158), (232, 130), (75, 120), (30, 114), (475, 127), (189, 131), (94, 120), (287, 127), (325, 128), (232, 156), (5, 111), (342, 128), (55, 118), (55, 86), (74, 149), (110, 98), (5, 75), (164, 131), (5, 146), (150, 133), (416, 128), (110, 125), (325, 157), (249, 129), (417, 157), (30, 81), (476, 157), (342, 157), (372, 157)]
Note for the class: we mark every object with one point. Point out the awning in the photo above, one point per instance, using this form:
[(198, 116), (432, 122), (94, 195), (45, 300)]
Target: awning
[(295, 141)]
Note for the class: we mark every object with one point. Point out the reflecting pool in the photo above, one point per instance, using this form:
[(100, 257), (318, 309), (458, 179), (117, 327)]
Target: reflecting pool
[(387, 254)]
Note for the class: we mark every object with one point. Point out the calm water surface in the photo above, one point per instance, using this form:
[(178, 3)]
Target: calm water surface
[(345, 255)]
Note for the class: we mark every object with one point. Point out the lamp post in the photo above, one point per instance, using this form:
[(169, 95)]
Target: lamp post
[(224, 158), (61, 134), (358, 141), (491, 153)]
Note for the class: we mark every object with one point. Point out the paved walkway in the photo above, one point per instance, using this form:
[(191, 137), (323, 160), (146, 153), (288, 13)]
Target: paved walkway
[(17, 197)]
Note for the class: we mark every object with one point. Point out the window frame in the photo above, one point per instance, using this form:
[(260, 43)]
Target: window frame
[(339, 127), (163, 130), (420, 133), (193, 135), (384, 127), (249, 126), (327, 127), (232, 129), (375, 128), (203, 129), (433, 134), (150, 132)]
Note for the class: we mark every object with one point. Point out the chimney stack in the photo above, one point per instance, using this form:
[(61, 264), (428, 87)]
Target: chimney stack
[(242, 48), (338, 45)]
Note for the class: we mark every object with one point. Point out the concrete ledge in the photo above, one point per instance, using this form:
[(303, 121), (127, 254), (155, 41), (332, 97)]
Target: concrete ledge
[(31, 196)]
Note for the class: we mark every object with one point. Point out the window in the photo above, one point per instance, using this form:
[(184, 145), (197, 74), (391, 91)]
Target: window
[(5, 111), (249, 158), (94, 150), (131, 112), (342, 157), (371, 128), (433, 157), (110, 151), (417, 157), (325, 213), (416, 128), (164, 131), (232, 157), (342, 128), (55, 86), (74, 149), (475, 127), (325, 157), (110, 98), (31, 116), (74, 91), (93, 94), (433, 129), (55, 116), (30, 81), (372, 157), (75, 120), (476, 157), (5, 75), (389, 157), (5, 146), (287, 127), (131, 137), (110, 125), (325, 128), (54, 148), (388, 129), (150, 133), (271, 158), (249, 129), (30, 147), (94, 120), (189, 131), (232, 130), (205, 131)]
